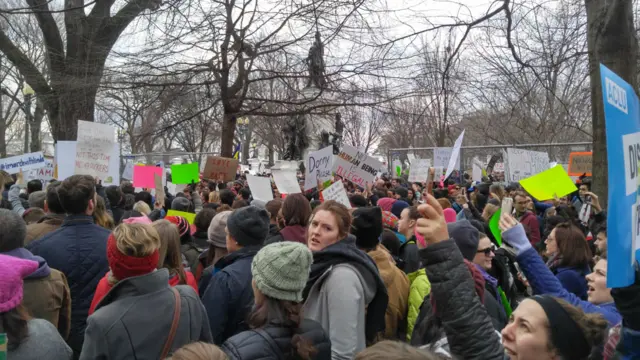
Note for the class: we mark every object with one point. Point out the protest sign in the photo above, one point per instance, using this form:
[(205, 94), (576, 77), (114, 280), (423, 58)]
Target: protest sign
[(66, 165), (128, 171), (93, 149), (337, 193), (260, 187), (220, 168), (286, 181), (476, 170), (411, 157), (185, 173), (454, 161), (24, 162), (144, 176), (441, 157), (43, 174), (318, 167), (495, 228), (191, 217), (622, 122), (419, 171), (580, 163), (549, 184), (522, 164), (356, 166), (159, 189), (397, 167)]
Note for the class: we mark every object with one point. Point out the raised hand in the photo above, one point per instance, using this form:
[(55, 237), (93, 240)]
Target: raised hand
[(432, 226)]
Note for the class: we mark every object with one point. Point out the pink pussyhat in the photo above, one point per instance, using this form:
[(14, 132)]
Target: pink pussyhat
[(449, 215), (13, 270), (419, 238)]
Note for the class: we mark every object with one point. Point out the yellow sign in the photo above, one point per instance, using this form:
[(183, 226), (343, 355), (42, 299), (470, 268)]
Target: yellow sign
[(549, 183)]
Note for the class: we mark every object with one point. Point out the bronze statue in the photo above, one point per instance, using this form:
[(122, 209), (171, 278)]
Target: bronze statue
[(315, 64), (295, 134)]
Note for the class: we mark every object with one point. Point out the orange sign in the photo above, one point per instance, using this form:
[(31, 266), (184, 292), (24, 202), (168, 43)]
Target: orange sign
[(580, 163), (220, 168)]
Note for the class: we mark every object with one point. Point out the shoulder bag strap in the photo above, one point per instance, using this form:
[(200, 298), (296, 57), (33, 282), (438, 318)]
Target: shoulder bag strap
[(174, 324), (271, 342)]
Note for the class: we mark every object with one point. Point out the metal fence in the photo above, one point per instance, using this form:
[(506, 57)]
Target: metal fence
[(558, 152)]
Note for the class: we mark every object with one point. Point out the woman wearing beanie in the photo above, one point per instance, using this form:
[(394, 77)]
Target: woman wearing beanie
[(28, 339), (188, 248), (345, 293), (280, 272), (141, 316), (217, 239), (229, 297), (170, 258)]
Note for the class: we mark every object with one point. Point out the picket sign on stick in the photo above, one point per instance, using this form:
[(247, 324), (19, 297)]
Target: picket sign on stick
[(318, 166), (337, 192), (160, 195), (356, 166), (454, 161), (93, 149), (286, 181)]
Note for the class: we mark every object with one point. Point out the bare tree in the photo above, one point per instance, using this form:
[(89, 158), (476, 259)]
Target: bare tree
[(362, 127)]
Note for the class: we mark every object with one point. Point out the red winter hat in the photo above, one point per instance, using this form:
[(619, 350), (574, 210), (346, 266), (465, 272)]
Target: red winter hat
[(180, 222), (124, 266)]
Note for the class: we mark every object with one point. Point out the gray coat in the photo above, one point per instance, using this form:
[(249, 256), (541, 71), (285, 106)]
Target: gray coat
[(134, 319)]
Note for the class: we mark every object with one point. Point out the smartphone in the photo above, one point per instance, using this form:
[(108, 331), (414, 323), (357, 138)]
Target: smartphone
[(507, 205)]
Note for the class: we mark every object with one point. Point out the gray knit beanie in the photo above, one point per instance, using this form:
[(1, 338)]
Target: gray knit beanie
[(281, 270), (216, 233), (249, 226)]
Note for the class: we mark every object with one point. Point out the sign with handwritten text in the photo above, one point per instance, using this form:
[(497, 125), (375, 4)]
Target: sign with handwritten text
[(337, 192), (419, 170), (522, 164), (356, 166), (580, 163), (318, 167), (93, 148), (220, 168)]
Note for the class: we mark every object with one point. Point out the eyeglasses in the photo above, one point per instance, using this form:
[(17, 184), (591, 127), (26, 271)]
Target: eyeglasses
[(488, 250)]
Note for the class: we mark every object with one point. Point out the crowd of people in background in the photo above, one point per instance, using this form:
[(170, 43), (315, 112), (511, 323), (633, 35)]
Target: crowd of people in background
[(409, 271)]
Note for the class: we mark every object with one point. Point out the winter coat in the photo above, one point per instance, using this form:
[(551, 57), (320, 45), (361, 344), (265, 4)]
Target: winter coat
[(79, 250), (190, 253), (573, 279), (134, 319), (294, 233), (117, 211), (46, 293), (419, 289), (468, 327), (272, 342), (47, 224), (42, 342), (200, 240), (409, 255), (229, 297), (397, 285), (543, 281), (346, 295), (530, 220)]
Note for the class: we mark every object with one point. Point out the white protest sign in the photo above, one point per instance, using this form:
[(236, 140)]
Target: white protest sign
[(419, 171), (93, 149), (454, 161), (65, 160), (411, 158), (498, 167), (128, 171), (318, 166), (286, 181), (522, 164), (441, 157), (476, 170), (356, 166), (260, 187), (337, 193), (44, 174), (24, 162)]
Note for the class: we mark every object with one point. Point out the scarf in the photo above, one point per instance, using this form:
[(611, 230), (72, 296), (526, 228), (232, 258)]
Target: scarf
[(43, 269)]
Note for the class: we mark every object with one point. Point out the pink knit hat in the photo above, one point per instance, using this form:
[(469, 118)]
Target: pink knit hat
[(13, 270), (449, 215), (138, 220), (386, 203)]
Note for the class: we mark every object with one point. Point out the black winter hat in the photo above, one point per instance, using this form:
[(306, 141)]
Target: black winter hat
[(403, 192), (466, 237), (367, 226), (249, 225)]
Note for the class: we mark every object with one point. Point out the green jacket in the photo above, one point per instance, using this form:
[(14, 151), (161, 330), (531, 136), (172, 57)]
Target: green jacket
[(420, 287)]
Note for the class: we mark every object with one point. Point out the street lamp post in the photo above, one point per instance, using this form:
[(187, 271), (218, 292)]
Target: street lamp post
[(28, 93)]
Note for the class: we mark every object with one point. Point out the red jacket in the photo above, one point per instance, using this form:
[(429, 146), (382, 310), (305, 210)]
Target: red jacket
[(104, 287), (530, 222)]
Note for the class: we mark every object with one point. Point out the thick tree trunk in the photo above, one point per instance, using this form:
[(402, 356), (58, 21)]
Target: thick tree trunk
[(228, 132), (36, 125), (611, 41)]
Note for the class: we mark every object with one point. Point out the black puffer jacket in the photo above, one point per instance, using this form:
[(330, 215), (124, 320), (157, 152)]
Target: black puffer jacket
[(274, 342), (467, 325)]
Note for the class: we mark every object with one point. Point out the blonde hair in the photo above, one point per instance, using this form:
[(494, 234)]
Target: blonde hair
[(489, 210), (214, 197), (199, 351), (137, 240), (142, 207), (394, 350), (170, 256), (101, 216)]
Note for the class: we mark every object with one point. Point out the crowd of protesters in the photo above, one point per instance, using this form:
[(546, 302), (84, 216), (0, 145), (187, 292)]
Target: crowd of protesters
[(409, 271)]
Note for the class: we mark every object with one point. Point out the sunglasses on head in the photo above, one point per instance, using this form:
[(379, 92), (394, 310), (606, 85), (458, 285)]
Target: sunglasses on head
[(488, 250)]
